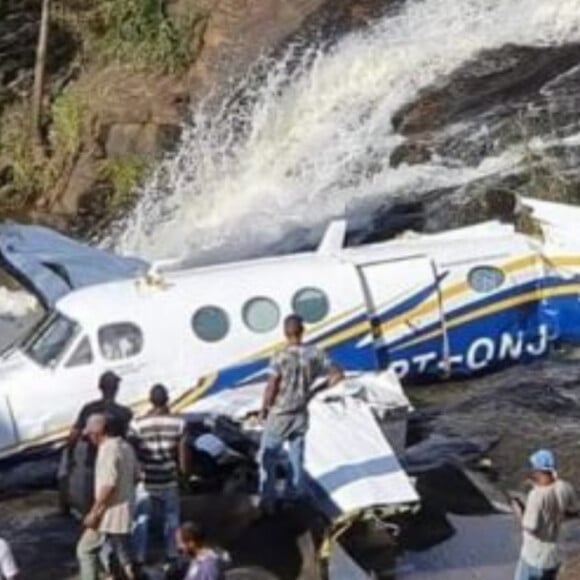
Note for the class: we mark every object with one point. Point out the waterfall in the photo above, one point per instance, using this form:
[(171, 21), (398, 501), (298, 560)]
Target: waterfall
[(313, 136)]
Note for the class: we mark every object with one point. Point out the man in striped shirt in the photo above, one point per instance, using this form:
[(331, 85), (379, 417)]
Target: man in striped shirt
[(160, 441)]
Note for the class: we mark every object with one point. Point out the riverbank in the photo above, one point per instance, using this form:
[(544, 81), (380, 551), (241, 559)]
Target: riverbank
[(457, 535)]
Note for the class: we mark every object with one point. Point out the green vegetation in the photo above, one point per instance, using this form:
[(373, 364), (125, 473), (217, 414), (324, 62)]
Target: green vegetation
[(140, 32), (18, 152), (124, 174), (36, 167), (68, 113)]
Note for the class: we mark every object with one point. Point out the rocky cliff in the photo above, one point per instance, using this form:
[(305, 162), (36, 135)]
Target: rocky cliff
[(107, 120)]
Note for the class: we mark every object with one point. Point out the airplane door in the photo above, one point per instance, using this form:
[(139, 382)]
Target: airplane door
[(404, 310)]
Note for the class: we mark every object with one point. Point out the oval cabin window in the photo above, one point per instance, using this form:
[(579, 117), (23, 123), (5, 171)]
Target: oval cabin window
[(311, 304), (261, 314), (210, 323), (486, 279), (120, 341)]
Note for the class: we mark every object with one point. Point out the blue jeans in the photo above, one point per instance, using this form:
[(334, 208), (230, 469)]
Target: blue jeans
[(168, 499), (526, 572), (272, 453)]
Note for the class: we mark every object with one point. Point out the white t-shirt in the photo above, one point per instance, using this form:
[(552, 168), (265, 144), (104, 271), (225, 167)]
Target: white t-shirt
[(545, 510), (8, 568)]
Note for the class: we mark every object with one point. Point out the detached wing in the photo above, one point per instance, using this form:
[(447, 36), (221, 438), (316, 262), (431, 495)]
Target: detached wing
[(50, 265)]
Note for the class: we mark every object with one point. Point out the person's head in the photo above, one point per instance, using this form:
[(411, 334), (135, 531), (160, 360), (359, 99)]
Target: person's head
[(100, 426), (293, 328), (109, 385), (543, 466), (95, 429), (191, 538), (159, 397)]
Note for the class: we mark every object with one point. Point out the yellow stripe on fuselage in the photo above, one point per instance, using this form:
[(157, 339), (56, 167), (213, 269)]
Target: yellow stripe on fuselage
[(194, 394), (532, 296)]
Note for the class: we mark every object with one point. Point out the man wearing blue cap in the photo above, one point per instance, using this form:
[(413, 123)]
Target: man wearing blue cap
[(549, 502)]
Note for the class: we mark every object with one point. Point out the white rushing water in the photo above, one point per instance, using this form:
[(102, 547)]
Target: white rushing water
[(318, 140)]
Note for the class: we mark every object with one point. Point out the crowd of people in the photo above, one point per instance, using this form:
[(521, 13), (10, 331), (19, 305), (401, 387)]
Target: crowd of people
[(137, 465), (138, 462)]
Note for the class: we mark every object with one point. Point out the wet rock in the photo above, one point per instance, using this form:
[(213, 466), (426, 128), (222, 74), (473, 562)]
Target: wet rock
[(84, 175), (503, 77), (410, 153), (143, 140)]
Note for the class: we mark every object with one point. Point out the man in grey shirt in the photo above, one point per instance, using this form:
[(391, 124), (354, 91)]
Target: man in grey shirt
[(294, 372), (549, 502)]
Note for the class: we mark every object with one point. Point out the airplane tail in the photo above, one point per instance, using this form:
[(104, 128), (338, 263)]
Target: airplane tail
[(558, 221)]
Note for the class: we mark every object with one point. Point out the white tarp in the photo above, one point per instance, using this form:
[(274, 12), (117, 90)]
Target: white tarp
[(347, 454)]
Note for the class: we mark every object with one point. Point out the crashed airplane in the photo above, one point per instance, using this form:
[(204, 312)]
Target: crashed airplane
[(427, 307)]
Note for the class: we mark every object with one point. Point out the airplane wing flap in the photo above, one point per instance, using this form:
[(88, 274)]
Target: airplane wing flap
[(351, 460), (347, 455)]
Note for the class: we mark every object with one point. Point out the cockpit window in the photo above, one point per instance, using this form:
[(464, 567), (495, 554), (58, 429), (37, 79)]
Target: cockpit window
[(51, 340), (83, 354), (121, 340)]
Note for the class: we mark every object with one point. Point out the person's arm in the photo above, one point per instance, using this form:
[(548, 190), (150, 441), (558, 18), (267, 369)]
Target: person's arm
[(76, 430), (331, 371), (270, 395), (183, 455), (183, 451), (335, 374), (108, 475), (100, 505), (530, 518), (73, 437), (570, 507)]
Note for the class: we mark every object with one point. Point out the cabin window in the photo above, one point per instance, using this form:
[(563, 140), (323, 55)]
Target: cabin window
[(83, 354), (311, 304), (485, 279), (51, 340), (210, 323), (120, 341), (261, 314)]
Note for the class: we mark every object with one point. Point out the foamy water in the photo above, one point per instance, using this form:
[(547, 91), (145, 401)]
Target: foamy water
[(317, 141)]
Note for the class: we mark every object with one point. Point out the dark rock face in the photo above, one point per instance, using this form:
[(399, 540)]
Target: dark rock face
[(19, 25), (501, 99), (511, 94), (502, 81)]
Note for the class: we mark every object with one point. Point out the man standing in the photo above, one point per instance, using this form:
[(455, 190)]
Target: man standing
[(8, 568), (293, 374), (109, 521), (109, 387), (549, 502), (160, 444), (204, 562), (107, 405)]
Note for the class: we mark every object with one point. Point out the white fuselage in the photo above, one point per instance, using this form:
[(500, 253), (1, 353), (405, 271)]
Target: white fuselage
[(428, 307)]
